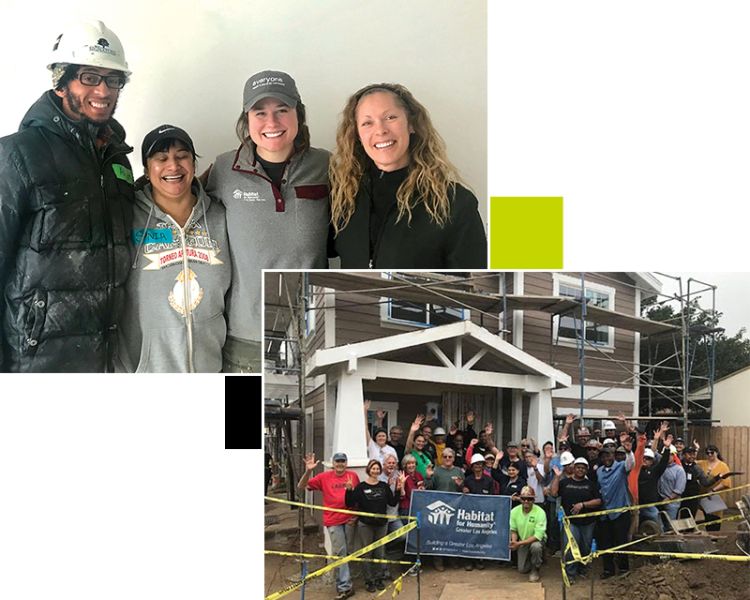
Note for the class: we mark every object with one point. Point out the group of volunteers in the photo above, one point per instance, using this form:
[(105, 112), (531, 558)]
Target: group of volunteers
[(616, 468), (99, 272)]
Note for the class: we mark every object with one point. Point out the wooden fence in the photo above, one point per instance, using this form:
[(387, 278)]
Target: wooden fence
[(734, 446)]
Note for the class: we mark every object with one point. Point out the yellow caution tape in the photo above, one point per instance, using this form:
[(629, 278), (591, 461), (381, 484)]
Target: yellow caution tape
[(329, 557), (732, 518), (729, 557), (376, 544), (640, 506), (397, 583), (340, 510)]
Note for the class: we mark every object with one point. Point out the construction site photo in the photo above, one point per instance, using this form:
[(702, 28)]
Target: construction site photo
[(491, 435)]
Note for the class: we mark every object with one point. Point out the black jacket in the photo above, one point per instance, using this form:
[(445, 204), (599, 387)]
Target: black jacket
[(648, 479), (65, 213), (420, 244)]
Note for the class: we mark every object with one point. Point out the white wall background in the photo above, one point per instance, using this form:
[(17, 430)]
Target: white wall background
[(190, 61)]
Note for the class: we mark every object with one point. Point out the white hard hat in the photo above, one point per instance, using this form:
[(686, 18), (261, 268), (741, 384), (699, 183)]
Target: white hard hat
[(648, 453), (89, 43), (609, 441), (581, 461), (608, 425), (566, 458), (477, 458), (439, 431)]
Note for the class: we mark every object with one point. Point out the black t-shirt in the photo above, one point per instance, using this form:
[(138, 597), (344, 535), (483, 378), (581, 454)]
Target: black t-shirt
[(485, 485), (275, 171), (573, 491), (371, 498), (400, 450)]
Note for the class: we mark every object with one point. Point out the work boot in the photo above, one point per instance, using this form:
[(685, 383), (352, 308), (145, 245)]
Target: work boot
[(534, 575), (439, 563)]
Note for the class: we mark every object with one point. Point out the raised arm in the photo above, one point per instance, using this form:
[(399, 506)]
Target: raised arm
[(554, 487), (413, 430), (310, 464), (367, 427), (568, 422)]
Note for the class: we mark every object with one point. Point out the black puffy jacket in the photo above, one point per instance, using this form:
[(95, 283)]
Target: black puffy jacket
[(419, 244), (65, 213)]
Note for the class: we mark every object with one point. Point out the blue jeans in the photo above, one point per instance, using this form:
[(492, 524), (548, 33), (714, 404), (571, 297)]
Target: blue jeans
[(651, 513), (337, 534), (582, 534)]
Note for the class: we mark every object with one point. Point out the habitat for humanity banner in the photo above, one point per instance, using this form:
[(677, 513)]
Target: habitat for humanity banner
[(453, 524)]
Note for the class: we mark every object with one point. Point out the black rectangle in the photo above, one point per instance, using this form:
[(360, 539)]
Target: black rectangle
[(243, 412)]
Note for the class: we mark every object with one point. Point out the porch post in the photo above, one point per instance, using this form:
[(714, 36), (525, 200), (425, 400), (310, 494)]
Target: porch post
[(516, 426), (540, 417), (349, 424)]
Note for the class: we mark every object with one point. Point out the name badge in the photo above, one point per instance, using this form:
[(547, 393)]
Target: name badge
[(690, 476), (163, 235)]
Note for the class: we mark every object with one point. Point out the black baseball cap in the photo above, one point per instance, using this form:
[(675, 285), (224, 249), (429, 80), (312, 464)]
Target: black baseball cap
[(161, 133)]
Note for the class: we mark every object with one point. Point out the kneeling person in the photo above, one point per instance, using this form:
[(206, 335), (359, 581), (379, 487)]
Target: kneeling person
[(528, 526)]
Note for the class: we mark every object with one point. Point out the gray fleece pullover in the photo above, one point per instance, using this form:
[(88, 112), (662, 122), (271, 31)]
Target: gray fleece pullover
[(270, 228), (174, 313)]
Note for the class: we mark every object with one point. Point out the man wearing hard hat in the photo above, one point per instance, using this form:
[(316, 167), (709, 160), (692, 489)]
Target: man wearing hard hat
[(66, 190)]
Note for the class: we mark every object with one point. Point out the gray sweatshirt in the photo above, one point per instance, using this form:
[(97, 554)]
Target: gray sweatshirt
[(173, 320), (270, 228)]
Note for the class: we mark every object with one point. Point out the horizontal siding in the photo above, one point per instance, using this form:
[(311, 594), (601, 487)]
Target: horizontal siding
[(537, 334), (316, 400)]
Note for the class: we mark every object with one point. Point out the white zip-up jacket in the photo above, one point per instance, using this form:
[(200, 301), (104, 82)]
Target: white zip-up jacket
[(174, 312)]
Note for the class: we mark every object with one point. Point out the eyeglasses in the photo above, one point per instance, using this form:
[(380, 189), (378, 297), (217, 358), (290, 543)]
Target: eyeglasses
[(114, 82), (527, 499), (710, 451)]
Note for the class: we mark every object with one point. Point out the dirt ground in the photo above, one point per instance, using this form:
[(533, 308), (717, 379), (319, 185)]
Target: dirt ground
[(649, 578)]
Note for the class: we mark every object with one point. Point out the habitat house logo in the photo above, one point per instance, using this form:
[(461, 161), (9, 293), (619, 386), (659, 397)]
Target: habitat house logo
[(440, 513)]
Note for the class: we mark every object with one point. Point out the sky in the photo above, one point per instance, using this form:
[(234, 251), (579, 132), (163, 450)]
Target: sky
[(732, 296)]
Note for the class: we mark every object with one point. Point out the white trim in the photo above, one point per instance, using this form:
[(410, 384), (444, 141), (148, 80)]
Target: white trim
[(351, 352), (557, 279), (590, 412), (374, 369), (391, 408)]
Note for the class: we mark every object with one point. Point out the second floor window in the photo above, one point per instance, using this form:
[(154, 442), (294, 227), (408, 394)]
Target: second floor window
[(422, 315), (567, 329)]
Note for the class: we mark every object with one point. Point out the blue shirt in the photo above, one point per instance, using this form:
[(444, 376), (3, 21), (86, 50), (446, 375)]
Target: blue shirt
[(613, 485)]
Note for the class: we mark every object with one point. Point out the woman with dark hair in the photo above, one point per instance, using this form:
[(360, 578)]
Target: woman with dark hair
[(372, 496), (712, 466), (275, 189), (396, 200), (173, 319)]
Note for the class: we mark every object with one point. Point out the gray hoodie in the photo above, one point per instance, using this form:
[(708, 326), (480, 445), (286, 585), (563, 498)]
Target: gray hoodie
[(174, 312), (270, 228)]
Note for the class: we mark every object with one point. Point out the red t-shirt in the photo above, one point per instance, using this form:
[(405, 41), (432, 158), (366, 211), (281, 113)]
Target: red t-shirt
[(333, 489)]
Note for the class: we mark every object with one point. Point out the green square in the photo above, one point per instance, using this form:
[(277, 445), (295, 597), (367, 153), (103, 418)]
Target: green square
[(526, 232), (122, 172)]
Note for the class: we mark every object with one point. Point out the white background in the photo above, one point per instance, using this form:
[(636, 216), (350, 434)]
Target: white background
[(190, 62), (636, 112)]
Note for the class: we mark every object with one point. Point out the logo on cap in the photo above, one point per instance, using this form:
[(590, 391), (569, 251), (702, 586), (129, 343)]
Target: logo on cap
[(102, 42)]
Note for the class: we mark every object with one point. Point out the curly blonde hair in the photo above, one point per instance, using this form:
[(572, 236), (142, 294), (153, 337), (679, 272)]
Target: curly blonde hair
[(431, 179)]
